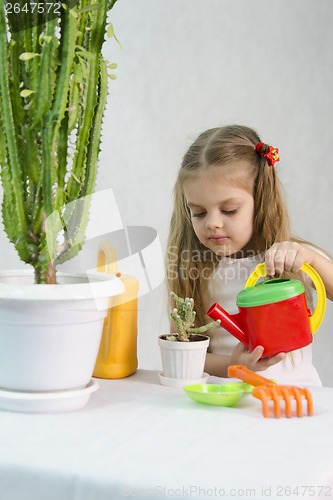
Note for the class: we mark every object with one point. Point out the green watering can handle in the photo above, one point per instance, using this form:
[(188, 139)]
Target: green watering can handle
[(317, 317)]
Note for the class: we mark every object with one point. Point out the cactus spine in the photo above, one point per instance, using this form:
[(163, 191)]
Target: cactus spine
[(53, 92)]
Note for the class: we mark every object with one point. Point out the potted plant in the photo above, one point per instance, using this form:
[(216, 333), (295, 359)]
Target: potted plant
[(53, 93), (183, 353)]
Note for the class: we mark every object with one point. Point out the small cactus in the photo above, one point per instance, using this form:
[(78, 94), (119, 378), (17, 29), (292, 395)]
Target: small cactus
[(183, 315)]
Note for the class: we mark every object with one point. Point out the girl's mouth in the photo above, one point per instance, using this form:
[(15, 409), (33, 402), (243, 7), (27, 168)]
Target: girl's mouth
[(218, 239)]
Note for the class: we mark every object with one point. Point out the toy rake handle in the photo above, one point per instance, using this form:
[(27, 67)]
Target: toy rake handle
[(248, 376), (318, 315)]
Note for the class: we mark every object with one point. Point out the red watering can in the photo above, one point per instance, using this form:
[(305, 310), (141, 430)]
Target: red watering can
[(274, 313)]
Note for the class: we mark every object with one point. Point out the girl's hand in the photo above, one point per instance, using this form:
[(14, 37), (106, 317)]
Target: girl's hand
[(286, 256), (242, 356)]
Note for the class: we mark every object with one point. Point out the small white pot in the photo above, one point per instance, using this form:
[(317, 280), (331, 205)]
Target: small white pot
[(184, 360), (50, 334)]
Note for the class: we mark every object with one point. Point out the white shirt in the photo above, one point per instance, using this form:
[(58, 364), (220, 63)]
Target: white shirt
[(226, 282)]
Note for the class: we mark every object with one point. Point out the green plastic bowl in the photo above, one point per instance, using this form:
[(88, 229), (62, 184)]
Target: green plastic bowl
[(217, 395)]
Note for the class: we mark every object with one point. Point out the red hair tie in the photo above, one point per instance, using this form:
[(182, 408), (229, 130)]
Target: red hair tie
[(271, 154)]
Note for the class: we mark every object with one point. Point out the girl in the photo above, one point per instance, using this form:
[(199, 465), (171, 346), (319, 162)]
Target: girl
[(229, 215)]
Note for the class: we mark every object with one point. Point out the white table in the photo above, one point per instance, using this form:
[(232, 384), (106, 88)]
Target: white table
[(136, 438)]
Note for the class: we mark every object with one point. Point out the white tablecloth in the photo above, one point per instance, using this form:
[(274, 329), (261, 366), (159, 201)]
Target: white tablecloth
[(136, 438)]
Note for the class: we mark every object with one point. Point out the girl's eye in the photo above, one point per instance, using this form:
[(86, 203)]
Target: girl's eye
[(199, 214), (229, 212)]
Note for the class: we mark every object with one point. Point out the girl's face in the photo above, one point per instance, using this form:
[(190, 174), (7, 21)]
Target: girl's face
[(222, 215)]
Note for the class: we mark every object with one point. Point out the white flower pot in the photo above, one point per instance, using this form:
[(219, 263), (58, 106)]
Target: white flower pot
[(184, 360), (50, 334)]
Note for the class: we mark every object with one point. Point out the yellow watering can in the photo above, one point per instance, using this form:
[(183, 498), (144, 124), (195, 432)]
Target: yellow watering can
[(117, 355)]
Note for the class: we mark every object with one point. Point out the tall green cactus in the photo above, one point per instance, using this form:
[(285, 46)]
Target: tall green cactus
[(53, 92)]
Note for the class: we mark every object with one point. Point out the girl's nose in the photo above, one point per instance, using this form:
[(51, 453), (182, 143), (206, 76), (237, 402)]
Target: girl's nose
[(214, 221)]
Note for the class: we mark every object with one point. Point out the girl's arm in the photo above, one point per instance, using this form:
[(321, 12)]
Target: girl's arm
[(290, 256), (217, 364)]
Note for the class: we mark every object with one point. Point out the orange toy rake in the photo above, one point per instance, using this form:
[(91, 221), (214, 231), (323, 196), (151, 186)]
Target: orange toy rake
[(266, 390)]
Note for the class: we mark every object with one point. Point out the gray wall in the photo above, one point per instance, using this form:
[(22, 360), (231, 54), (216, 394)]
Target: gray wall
[(188, 65)]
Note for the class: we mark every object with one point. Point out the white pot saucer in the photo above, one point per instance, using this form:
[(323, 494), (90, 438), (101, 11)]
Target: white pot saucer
[(180, 382), (47, 402)]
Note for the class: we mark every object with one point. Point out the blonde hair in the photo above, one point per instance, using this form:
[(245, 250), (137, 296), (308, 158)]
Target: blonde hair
[(189, 262)]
